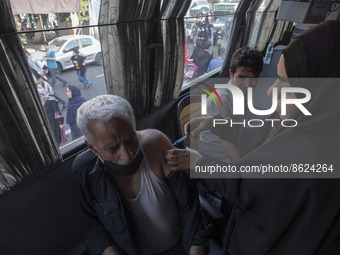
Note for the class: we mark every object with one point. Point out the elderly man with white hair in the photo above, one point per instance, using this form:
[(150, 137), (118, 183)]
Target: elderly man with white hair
[(132, 202)]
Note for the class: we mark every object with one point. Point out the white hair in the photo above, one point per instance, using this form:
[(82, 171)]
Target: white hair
[(103, 108)]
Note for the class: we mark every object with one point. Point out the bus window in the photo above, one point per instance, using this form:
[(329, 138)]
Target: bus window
[(206, 33), (257, 21), (221, 9), (63, 42)]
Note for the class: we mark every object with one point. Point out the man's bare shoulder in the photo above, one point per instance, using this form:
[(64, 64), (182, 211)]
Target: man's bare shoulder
[(154, 138), (155, 143)]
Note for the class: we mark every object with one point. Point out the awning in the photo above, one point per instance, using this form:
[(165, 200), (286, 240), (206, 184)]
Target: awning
[(44, 6)]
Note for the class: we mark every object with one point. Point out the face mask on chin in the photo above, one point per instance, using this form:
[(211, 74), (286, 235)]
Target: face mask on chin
[(123, 170)]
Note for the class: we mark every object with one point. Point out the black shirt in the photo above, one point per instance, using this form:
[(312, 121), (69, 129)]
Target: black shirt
[(78, 61)]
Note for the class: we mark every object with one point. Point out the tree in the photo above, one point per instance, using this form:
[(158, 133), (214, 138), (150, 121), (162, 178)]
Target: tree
[(84, 8)]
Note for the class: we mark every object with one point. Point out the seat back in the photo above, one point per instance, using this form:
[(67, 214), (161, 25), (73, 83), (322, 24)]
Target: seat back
[(188, 108)]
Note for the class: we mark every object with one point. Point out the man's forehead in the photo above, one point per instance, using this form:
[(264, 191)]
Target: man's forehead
[(123, 125), (114, 121), (245, 71), (110, 132)]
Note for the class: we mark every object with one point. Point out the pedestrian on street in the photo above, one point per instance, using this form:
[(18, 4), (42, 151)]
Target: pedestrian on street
[(75, 100), (53, 94), (39, 70), (37, 67), (79, 63), (53, 113), (52, 65)]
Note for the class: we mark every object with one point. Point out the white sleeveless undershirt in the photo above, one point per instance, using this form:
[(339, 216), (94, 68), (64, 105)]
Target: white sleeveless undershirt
[(156, 209)]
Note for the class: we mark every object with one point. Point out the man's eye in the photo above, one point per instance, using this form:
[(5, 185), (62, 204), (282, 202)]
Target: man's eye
[(112, 149), (131, 140), (241, 79)]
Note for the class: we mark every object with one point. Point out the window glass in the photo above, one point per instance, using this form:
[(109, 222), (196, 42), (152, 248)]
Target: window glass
[(207, 34), (85, 42), (70, 46), (257, 23), (57, 43), (63, 43)]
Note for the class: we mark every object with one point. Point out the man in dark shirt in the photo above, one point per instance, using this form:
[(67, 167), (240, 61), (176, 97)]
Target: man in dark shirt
[(131, 201), (79, 63), (204, 59)]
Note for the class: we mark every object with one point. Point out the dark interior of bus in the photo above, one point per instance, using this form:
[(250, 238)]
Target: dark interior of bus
[(40, 213)]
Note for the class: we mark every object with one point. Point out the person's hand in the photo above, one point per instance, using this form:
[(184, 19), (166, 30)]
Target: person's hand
[(111, 250), (181, 159), (44, 58), (197, 250), (197, 125), (61, 126)]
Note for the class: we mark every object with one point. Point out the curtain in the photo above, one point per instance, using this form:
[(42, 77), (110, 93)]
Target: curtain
[(143, 51), (265, 25), (27, 145)]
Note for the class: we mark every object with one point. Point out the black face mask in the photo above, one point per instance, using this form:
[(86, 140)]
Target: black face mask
[(123, 170)]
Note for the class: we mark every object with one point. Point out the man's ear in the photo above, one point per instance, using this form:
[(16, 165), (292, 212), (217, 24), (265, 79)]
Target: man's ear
[(231, 75), (91, 147)]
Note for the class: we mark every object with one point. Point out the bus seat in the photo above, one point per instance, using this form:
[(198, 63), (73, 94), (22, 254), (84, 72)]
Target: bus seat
[(163, 119), (188, 108), (286, 38), (42, 216)]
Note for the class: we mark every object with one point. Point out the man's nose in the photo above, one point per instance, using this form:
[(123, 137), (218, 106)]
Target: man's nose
[(277, 92), (270, 91), (247, 82), (125, 153)]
